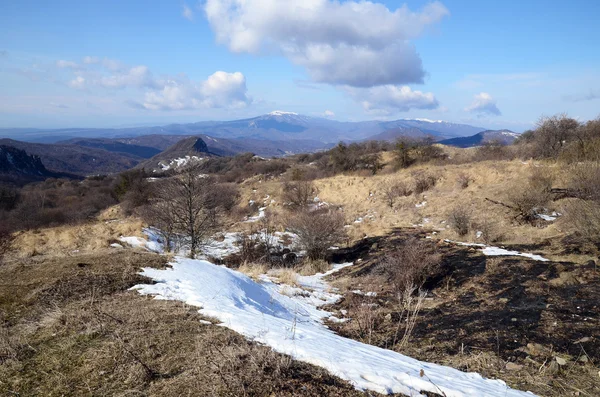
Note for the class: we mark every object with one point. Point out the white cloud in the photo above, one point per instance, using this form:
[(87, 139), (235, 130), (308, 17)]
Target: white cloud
[(62, 64), (360, 44), (187, 12), (89, 60), (137, 76), (483, 104), (220, 90), (328, 114), (389, 99), (77, 83)]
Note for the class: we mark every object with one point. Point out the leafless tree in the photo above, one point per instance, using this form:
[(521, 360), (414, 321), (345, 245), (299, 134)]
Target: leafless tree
[(393, 189), (299, 193), (188, 207)]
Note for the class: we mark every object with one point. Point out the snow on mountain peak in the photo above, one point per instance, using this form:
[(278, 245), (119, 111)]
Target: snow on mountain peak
[(282, 113), (429, 121)]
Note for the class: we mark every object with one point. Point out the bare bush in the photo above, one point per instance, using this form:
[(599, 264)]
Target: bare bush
[(463, 180), (424, 182), (584, 217), (585, 181), (490, 232), (317, 231), (529, 198), (410, 305), (410, 264), (392, 190), (459, 220), (310, 267), (298, 194)]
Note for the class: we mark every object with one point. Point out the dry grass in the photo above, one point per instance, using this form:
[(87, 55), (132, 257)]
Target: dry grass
[(253, 270), (310, 267), (287, 276), (69, 327)]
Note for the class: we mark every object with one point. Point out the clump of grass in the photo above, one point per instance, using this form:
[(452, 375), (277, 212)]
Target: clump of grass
[(313, 266)]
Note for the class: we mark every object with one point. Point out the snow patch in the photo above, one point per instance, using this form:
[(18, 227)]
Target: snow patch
[(292, 324)]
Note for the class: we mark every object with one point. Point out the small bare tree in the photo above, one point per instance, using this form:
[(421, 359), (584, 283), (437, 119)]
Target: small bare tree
[(189, 208), (317, 231)]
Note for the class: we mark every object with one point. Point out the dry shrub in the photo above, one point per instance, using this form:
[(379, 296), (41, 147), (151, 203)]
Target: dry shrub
[(585, 181), (463, 180), (410, 264), (529, 198), (584, 218), (490, 232), (298, 194), (288, 277), (313, 266), (459, 220), (317, 231), (392, 190), (424, 182)]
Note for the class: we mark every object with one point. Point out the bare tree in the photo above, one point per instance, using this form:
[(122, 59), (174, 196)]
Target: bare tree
[(189, 208)]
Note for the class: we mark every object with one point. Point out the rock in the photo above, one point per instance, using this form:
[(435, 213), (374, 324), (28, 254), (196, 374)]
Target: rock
[(591, 264), (560, 361), (503, 300), (374, 247), (514, 319), (564, 279), (583, 359), (510, 366), (535, 349), (583, 340)]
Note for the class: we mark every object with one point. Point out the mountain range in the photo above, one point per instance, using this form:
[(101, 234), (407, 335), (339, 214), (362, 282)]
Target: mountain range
[(274, 126), (87, 151)]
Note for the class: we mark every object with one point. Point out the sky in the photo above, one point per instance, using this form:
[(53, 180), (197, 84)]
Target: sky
[(494, 64)]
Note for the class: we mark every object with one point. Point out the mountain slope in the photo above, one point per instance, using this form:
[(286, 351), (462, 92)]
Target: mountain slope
[(504, 137), (77, 159), (114, 146), (18, 167)]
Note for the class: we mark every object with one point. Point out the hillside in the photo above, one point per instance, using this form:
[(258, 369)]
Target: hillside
[(503, 137), (17, 167), (76, 159)]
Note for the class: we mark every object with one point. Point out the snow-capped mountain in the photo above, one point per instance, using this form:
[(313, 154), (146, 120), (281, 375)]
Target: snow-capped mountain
[(274, 126)]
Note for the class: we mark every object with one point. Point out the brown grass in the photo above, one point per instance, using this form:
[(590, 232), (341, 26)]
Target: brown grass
[(69, 327)]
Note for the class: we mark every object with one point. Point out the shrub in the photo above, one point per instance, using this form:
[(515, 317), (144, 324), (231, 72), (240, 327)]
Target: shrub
[(584, 217), (392, 190), (585, 181), (410, 264), (424, 182), (529, 198), (299, 194), (459, 220), (317, 231), (463, 180)]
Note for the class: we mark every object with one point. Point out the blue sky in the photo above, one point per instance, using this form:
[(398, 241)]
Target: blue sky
[(493, 64)]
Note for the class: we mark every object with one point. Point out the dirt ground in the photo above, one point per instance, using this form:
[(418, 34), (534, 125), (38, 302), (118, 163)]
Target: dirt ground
[(533, 324)]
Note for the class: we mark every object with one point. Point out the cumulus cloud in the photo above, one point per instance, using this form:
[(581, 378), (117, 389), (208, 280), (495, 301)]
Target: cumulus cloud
[(187, 12), (328, 114), (359, 44), (483, 104), (220, 90), (389, 99)]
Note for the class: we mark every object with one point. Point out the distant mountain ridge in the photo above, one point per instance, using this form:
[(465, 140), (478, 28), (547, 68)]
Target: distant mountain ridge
[(275, 126), (504, 137)]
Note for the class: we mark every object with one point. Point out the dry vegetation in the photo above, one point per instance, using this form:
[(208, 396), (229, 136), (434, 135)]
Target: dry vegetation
[(389, 208)]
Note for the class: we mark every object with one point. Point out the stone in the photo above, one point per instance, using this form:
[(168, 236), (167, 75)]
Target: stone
[(560, 361), (503, 300), (510, 366)]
